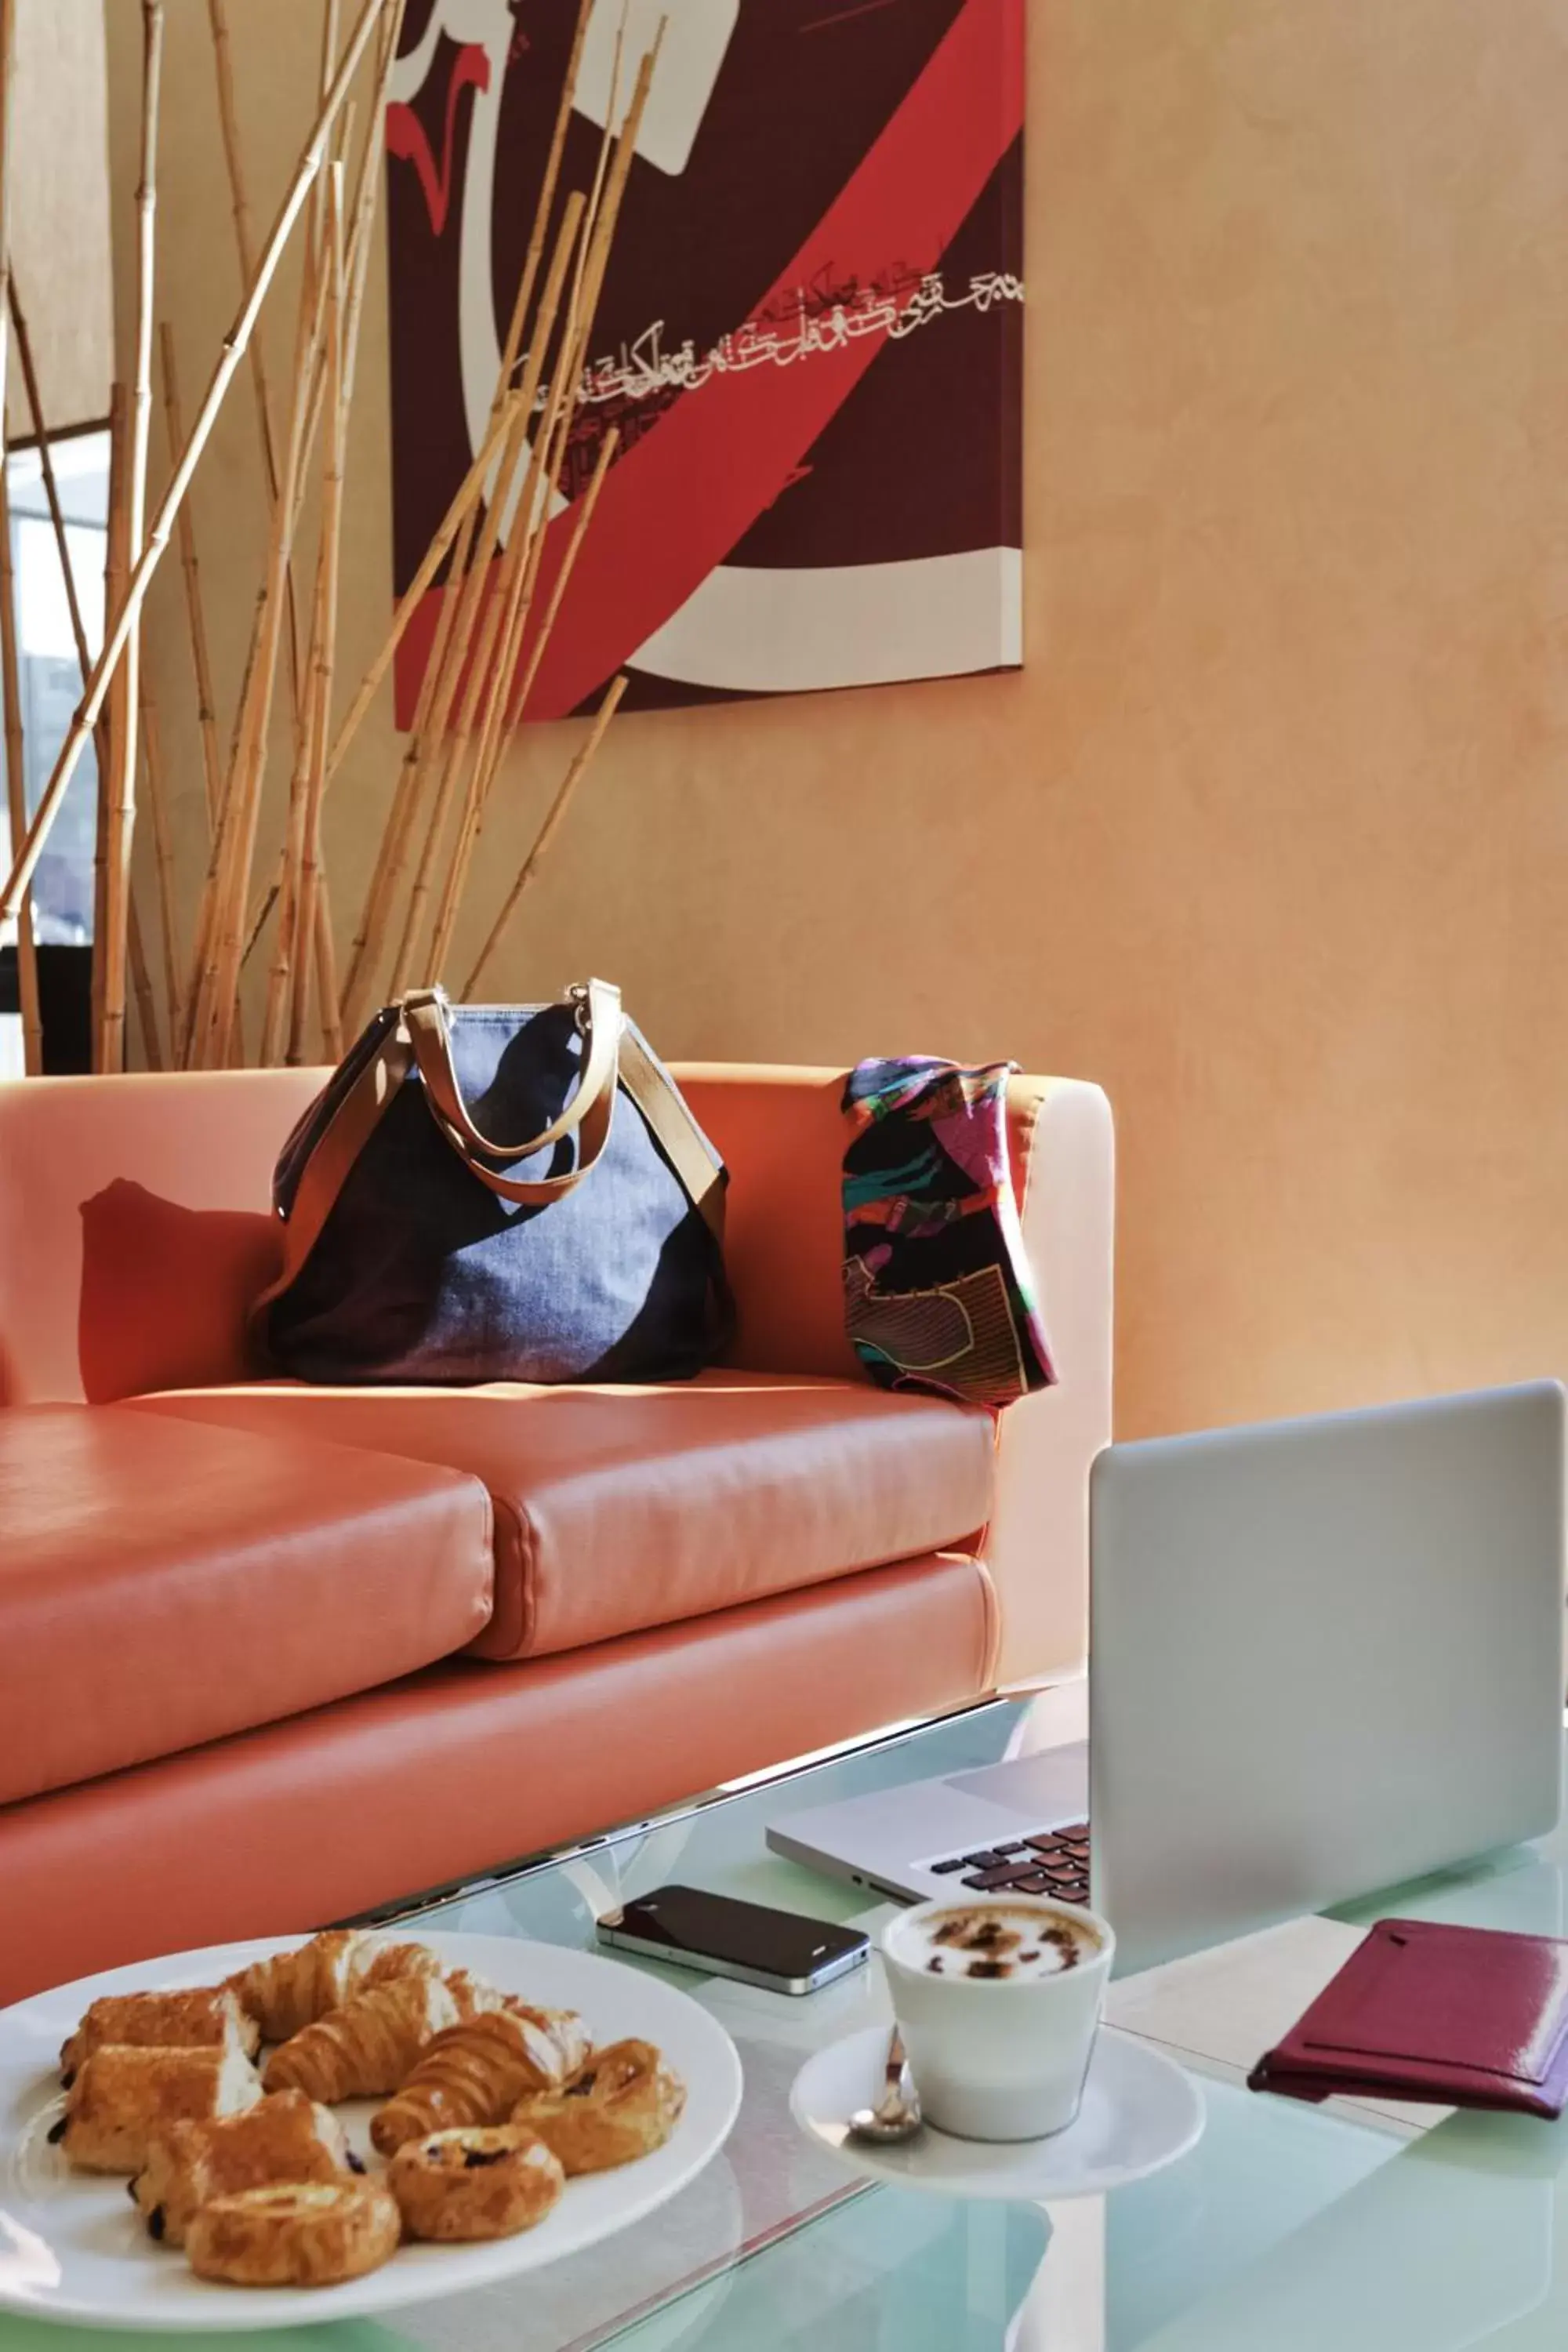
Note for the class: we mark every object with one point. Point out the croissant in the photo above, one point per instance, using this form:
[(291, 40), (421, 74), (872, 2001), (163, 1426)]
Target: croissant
[(473, 1996), (281, 2138), (383, 1963), (476, 2072), (287, 1991), (370, 2045), (293, 1988)]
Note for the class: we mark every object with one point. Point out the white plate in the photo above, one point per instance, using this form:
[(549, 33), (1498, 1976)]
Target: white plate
[(1140, 2111), (72, 2247)]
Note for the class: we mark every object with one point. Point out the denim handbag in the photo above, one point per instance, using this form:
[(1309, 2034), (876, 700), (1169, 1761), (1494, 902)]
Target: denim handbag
[(487, 1192)]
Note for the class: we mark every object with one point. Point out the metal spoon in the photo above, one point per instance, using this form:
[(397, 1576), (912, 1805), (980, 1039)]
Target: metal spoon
[(897, 2114)]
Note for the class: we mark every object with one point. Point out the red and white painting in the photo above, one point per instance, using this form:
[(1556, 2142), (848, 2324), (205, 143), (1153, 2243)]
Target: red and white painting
[(810, 337)]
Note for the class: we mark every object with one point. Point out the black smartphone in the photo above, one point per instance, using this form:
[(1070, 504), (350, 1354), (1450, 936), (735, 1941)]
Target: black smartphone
[(777, 1949)]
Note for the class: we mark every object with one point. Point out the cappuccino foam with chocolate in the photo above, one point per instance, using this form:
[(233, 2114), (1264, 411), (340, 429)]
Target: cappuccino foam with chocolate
[(996, 1942)]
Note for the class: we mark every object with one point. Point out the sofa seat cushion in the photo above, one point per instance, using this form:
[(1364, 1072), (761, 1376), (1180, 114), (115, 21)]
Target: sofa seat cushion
[(163, 1583), (621, 1507)]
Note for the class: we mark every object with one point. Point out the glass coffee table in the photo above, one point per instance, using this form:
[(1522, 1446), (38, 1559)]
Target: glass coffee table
[(1287, 2228)]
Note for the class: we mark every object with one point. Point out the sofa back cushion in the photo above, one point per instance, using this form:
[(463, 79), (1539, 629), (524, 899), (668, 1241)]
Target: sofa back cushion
[(136, 1227), (782, 1137)]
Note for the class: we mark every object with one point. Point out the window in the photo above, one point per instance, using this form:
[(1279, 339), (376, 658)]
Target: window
[(50, 677)]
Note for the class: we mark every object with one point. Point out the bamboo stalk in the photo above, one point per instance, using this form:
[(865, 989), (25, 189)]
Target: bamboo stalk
[(296, 920), (47, 467), (401, 815), (17, 789), (539, 228), (430, 563), (508, 706), (327, 971), (356, 266), (488, 673), (121, 827), (146, 259), (324, 651), (142, 982), (275, 1016), (439, 744), (7, 92), (102, 731), (239, 202), (237, 843), (163, 853), (317, 244), (549, 829), (115, 570), (538, 232), (15, 747), (367, 188), (252, 719), (479, 608), (52, 497), (235, 345), (201, 659), (329, 42), (287, 935), (487, 692), (547, 459), (521, 575)]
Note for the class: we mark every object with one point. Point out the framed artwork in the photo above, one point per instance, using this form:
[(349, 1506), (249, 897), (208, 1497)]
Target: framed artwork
[(810, 337)]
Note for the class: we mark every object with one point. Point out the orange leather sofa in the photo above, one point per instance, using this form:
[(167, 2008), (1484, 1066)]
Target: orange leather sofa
[(270, 1655)]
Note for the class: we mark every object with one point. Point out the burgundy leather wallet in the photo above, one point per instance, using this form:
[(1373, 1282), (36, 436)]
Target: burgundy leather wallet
[(1464, 2017)]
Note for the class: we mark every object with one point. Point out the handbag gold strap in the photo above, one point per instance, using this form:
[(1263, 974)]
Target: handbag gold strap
[(676, 1132), (587, 1115)]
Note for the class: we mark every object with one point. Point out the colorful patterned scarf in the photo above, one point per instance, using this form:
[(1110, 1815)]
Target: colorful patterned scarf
[(937, 1288)]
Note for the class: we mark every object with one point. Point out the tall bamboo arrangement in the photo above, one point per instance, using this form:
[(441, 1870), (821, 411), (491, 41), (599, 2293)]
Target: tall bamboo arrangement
[(487, 554), (235, 345)]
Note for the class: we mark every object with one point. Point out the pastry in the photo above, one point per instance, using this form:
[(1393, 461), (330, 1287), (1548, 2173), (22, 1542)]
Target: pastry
[(284, 2138), (287, 1991), (295, 2234), (379, 1964), (475, 2072), (124, 2097), (623, 2104), (369, 2046), (208, 2016), (472, 1995), (472, 2183)]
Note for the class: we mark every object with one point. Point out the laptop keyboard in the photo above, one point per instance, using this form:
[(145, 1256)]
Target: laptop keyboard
[(1053, 1862)]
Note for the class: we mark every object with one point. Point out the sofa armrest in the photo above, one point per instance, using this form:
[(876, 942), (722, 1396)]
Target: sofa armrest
[(782, 1134), (1037, 1543)]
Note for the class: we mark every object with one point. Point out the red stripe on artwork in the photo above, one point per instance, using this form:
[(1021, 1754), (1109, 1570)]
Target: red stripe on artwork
[(405, 135), (690, 489)]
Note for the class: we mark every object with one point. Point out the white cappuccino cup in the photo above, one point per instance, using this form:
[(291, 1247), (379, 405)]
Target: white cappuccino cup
[(999, 2001)]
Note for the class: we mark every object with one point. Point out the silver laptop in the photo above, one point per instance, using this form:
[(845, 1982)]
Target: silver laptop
[(1326, 1656)]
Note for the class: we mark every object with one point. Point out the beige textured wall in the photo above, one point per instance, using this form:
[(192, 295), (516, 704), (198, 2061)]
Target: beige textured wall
[(1270, 837), (59, 210)]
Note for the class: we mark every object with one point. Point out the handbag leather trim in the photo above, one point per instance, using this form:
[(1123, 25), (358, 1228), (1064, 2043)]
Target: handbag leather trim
[(425, 1014)]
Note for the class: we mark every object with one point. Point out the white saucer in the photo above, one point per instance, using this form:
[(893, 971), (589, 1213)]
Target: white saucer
[(1139, 2112)]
